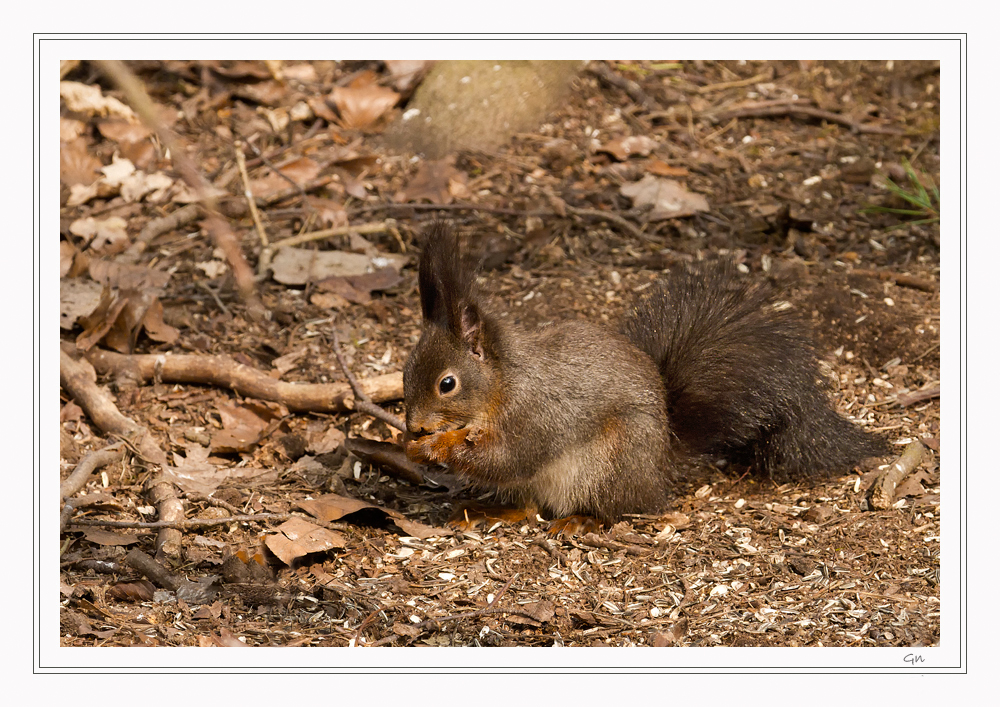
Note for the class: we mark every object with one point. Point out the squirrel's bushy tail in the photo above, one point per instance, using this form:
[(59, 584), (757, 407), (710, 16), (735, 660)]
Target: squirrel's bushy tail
[(741, 376)]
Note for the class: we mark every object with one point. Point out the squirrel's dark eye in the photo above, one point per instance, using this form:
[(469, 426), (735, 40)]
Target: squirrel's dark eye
[(447, 384)]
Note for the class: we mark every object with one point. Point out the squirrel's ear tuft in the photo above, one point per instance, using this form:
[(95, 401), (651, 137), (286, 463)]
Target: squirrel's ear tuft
[(446, 281)]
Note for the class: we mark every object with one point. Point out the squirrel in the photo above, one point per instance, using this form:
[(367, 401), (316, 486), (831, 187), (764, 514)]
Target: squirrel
[(579, 420)]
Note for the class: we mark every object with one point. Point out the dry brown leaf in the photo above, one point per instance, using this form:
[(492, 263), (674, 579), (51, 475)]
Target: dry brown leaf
[(67, 251), (296, 266), (432, 182), (70, 129), (106, 234), (331, 212), (332, 507), (78, 297), (296, 538), (99, 536), (406, 74), (668, 198), (241, 429), (306, 73), (300, 171), (126, 276), (100, 320), (268, 93), (154, 326), (77, 167), (89, 100), (361, 106), (119, 130)]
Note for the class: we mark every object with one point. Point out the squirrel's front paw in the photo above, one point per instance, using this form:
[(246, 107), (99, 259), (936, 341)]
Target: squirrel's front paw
[(437, 447)]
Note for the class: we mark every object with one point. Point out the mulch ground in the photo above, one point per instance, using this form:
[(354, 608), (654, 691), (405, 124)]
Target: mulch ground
[(263, 550)]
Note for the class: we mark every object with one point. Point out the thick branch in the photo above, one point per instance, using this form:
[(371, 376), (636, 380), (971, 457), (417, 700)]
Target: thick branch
[(224, 372)]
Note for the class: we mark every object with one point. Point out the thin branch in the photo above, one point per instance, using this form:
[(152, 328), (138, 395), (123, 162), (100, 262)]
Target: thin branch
[(882, 493), (361, 401), (774, 111)]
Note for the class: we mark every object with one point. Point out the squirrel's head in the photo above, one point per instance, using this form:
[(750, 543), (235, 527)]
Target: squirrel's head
[(448, 375)]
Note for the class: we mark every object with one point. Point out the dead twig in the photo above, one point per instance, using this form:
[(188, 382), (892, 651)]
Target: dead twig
[(215, 224), (711, 88), (241, 163), (602, 71), (77, 380), (192, 523), (911, 281), (798, 111), (361, 401), (88, 465), (883, 492), (917, 396), (595, 540), (159, 226), (224, 372)]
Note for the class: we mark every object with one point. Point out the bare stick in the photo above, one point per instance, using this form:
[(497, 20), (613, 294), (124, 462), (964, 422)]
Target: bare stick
[(159, 226), (900, 279), (883, 491), (77, 380), (766, 76), (612, 78), (189, 523), (928, 393), (361, 401), (241, 162), (221, 233), (224, 372), (88, 465), (774, 111), (361, 229)]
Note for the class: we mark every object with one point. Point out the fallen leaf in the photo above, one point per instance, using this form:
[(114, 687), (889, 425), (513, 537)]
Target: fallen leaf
[(67, 251), (78, 297), (300, 171), (139, 184), (98, 536), (154, 326), (668, 198), (77, 166), (241, 429), (332, 507), (119, 130), (126, 276), (70, 129), (89, 100), (100, 234), (624, 147), (406, 74), (360, 106), (296, 266), (329, 300), (432, 182), (297, 537)]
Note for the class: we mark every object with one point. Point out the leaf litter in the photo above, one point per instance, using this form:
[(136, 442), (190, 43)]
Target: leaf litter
[(721, 569)]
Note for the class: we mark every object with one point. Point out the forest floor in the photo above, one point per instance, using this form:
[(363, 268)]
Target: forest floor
[(282, 537)]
